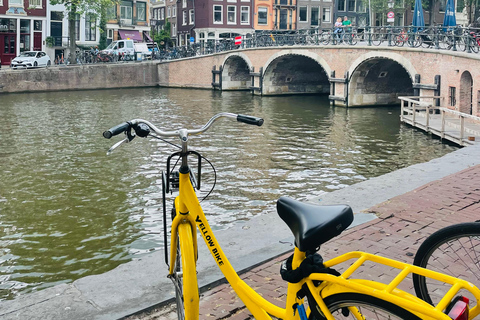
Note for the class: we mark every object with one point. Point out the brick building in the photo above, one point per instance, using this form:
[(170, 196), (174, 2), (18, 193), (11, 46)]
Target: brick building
[(22, 27)]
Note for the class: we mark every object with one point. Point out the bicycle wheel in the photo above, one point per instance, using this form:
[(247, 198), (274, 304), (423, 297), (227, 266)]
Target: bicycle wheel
[(460, 44), (474, 45), (368, 306), (184, 279), (352, 39), (376, 39), (399, 41), (325, 38), (454, 250)]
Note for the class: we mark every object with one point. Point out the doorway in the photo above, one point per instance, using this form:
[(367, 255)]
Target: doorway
[(7, 47), (466, 93)]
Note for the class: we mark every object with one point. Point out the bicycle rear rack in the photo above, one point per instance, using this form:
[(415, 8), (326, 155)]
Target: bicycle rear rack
[(389, 292)]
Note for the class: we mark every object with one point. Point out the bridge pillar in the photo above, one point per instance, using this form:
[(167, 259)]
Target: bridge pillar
[(257, 81), (333, 89), (215, 84)]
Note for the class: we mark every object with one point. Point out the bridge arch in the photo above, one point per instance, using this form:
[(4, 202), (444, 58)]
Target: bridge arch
[(295, 72), (379, 79), (236, 72)]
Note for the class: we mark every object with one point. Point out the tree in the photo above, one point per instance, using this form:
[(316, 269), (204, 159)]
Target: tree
[(79, 7), (163, 37)]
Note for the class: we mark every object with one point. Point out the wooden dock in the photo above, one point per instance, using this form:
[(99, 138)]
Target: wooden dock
[(421, 112)]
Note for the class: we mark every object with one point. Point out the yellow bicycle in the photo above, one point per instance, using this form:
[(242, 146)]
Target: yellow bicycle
[(315, 289)]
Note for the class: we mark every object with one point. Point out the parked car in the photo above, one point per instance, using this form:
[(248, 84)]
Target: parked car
[(30, 59)]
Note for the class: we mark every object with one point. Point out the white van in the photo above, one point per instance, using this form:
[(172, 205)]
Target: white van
[(128, 47), (122, 47)]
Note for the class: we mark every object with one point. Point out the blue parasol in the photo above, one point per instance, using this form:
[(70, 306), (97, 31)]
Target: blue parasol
[(418, 20), (449, 20)]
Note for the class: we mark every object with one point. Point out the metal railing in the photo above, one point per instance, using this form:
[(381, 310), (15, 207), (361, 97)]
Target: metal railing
[(438, 38)]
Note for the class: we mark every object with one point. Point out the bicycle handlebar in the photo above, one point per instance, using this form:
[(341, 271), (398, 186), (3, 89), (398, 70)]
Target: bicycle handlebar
[(181, 132)]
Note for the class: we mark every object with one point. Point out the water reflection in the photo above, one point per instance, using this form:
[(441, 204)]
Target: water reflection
[(67, 210)]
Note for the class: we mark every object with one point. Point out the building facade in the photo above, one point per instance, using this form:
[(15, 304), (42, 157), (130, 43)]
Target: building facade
[(129, 20), (212, 20), (275, 15), (355, 10), (22, 27), (315, 14)]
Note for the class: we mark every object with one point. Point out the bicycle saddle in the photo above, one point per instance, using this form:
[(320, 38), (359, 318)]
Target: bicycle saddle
[(313, 225)]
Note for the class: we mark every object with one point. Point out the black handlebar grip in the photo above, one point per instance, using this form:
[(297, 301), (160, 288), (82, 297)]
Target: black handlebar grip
[(250, 120), (116, 130)]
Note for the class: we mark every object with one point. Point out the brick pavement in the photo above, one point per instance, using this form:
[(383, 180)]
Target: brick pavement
[(404, 222)]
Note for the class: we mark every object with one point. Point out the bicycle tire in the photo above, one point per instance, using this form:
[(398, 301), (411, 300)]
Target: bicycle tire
[(376, 39), (443, 251), (326, 37), (460, 44), (474, 47), (370, 307), (353, 40), (182, 278), (399, 41)]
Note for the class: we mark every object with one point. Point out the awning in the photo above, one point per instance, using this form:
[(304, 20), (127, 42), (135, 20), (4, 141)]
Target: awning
[(130, 34), (147, 36)]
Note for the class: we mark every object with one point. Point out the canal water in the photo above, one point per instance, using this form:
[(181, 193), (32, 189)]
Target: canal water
[(68, 210)]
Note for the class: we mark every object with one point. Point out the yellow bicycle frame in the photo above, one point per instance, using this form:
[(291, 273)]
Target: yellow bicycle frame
[(190, 216)]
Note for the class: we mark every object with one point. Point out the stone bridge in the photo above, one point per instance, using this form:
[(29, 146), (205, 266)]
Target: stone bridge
[(351, 76)]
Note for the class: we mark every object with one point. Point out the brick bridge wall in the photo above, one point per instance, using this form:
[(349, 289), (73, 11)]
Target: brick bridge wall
[(449, 65)]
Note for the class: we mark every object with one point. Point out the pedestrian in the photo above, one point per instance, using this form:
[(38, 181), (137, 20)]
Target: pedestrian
[(338, 25), (346, 24)]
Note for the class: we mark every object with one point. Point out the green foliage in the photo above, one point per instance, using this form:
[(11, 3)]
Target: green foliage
[(162, 38), (49, 41)]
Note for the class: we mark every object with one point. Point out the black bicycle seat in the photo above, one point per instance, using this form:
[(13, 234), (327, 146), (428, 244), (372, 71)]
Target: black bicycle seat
[(313, 225)]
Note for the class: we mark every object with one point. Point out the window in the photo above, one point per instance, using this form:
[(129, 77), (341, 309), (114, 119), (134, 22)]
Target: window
[(174, 29), (125, 10), (192, 16), (141, 11), (174, 11), (184, 21), (362, 7), (169, 10), (110, 34), (34, 3), (351, 5), (341, 5), (15, 3), (262, 16), (232, 14), (302, 14), (37, 24), (451, 96), (326, 15), (90, 27), (217, 14), (112, 13), (184, 3), (77, 27), (56, 16), (162, 14), (314, 16), (245, 15)]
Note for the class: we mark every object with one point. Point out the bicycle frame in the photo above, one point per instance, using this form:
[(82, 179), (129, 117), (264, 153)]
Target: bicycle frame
[(190, 216)]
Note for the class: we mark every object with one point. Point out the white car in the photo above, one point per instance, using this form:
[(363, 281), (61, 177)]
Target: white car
[(30, 59)]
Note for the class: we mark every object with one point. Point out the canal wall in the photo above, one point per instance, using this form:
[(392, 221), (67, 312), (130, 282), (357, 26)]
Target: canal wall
[(79, 77)]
